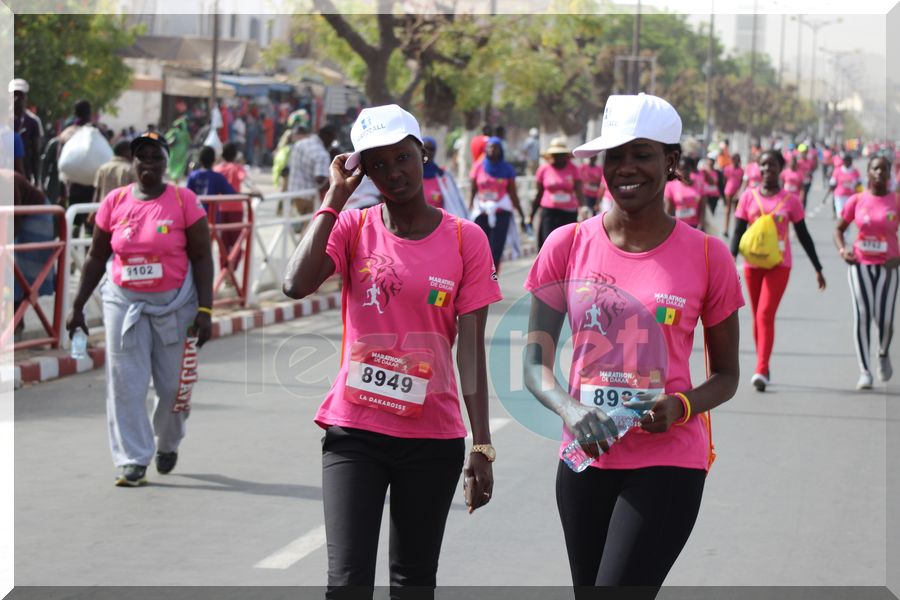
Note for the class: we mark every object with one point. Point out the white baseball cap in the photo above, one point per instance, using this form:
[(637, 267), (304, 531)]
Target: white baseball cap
[(380, 126), (627, 118), (18, 85)]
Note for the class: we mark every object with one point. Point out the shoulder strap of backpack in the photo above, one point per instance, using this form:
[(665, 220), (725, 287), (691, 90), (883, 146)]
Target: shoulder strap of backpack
[(362, 221), (121, 195), (459, 236), (707, 416)]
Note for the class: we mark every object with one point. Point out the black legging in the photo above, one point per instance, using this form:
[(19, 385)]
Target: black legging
[(496, 235), (357, 468), (626, 527), (553, 218)]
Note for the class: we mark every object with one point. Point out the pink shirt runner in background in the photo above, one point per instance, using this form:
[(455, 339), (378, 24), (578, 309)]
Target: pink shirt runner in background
[(686, 199), (235, 174), (148, 237), (790, 210), (491, 189), (845, 181), (592, 179), (733, 178), (793, 180), (401, 301), (644, 308), (876, 219), (753, 175), (559, 186)]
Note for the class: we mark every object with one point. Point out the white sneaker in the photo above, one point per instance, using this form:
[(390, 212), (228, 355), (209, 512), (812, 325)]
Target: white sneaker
[(885, 370), (864, 382), (759, 381)]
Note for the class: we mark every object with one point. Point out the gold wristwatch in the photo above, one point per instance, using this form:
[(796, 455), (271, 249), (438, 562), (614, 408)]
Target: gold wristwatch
[(487, 450)]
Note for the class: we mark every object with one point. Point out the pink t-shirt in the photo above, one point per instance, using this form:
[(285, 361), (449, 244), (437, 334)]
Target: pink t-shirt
[(401, 299), (634, 316), (592, 178), (686, 199), (491, 189), (876, 219), (790, 210), (733, 178), (559, 186), (806, 166), (707, 183), (845, 181), (148, 237), (235, 174), (753, 175), (432, 189), (793, 180)]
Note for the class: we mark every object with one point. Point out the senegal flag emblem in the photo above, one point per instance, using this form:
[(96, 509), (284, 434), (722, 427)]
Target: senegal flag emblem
[(668, 315), (437, 298)]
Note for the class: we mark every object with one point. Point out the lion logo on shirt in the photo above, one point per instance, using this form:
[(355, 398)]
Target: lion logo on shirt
[(606, 301), (384, 283)]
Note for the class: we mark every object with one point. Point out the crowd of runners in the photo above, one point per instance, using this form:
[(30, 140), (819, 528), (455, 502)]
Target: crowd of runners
[(632, 254)]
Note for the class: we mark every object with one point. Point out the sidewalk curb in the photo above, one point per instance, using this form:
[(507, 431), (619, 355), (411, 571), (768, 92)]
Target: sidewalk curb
[(59, 364), (46, 368)]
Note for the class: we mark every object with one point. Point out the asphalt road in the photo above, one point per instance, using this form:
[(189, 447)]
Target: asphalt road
[(797, 496)]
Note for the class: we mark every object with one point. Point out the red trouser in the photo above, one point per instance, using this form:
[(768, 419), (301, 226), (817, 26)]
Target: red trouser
[(766, 287)]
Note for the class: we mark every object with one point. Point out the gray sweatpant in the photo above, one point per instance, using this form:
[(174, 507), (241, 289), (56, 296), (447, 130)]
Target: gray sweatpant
[(128, 372)]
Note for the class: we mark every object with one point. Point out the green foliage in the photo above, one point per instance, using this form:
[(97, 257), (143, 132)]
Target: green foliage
[(69, 57)]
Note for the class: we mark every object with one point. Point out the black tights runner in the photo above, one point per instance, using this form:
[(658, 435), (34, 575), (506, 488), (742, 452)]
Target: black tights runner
[(358, 467), (625, 528)]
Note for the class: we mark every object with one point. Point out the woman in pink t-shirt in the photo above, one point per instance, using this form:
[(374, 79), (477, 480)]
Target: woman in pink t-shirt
[(494, 197), (152, 242), (592, 183), (844, 181), (633, 284), (873, 259), (413, 276), (683, 196), (766, 286), (734, 178), (791, 177), (558, 192)]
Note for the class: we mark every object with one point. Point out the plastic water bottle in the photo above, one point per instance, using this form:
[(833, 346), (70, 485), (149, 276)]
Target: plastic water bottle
[(79, 345), (576, 458)]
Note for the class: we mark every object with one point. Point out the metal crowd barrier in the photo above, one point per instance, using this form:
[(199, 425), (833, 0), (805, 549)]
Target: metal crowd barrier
[(234, 254), (30, 290)]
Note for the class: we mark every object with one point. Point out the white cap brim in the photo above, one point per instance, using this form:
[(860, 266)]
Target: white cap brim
[(597, 145), (376, 142)]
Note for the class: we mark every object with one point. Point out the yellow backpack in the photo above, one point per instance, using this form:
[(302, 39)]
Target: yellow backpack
[(759, 244)]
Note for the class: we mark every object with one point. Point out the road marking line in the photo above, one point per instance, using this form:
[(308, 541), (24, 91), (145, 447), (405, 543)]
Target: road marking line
[(308, 543), (295, 551)]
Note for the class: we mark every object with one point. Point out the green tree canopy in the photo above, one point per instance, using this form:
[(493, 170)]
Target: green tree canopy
[(66, 58)]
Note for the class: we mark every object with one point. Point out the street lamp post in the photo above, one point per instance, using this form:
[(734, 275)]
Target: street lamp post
[(709, 74), (815, 26)]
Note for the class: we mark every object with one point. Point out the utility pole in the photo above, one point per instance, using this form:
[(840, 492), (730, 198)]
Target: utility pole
[(635, 51), (215, 59), (709, 75), (781, 52), (752, 75)]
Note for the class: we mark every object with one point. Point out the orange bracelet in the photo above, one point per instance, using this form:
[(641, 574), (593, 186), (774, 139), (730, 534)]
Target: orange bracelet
[(686, 404)]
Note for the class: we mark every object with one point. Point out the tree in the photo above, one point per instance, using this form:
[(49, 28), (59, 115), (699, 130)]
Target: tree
[(70, 57)]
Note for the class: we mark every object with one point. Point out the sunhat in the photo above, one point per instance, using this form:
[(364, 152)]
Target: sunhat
[(557, 145), (380, 126), (629, 117)]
